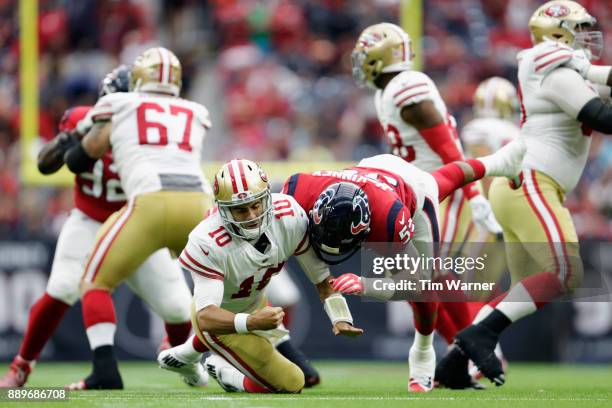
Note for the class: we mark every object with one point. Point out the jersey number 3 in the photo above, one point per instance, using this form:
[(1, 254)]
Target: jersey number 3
[(144, 125)]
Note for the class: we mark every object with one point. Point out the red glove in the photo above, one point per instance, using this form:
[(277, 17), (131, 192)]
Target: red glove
[(348, 284)]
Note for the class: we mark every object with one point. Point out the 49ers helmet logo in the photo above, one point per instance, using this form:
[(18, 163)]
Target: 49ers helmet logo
[(360, 203), (323, 200), (557, 10)]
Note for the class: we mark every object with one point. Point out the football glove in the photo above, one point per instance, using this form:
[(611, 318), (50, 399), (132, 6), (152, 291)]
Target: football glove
[(483, 215), (348, 284)]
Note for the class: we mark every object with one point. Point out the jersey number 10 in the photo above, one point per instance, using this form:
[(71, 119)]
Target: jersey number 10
[(145, 125)]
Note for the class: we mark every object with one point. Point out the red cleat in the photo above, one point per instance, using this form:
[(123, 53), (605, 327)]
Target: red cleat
[(17, 375)]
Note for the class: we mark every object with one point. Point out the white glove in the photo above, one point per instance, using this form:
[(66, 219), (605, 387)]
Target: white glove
[(483, 215), (348, 283), (580, 62)]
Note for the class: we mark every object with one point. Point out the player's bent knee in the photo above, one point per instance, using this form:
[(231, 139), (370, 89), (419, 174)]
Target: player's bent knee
[(293, 380)]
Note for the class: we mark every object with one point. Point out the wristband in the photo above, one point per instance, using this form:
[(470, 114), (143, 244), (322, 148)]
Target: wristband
[(240, 323), (337, 309)]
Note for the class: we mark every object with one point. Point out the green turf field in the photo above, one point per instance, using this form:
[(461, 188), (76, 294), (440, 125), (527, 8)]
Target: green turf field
[(345, 384)]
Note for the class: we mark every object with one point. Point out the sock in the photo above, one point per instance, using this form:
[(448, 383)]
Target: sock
[(187, 351), (531, 294), (444, 325), (45, 316), (178, 333), (298, 358), (251, 386), (198, 345), (422, 342), (99, 318), (425, 314), (287, 317), (496, 321), (105, 372), (482, 313)]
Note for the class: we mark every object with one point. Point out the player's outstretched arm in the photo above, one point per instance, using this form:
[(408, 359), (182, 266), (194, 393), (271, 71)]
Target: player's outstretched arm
[(337, 309), (51, 156)]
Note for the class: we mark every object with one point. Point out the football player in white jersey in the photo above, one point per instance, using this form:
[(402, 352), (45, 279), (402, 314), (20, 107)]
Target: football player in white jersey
[(564, 98), (155, 137), (420, 130), (232, 255), (495, 110)]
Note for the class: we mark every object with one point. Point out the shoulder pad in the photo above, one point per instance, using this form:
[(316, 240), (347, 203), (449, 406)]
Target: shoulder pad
[(409, 88), (549, 55)]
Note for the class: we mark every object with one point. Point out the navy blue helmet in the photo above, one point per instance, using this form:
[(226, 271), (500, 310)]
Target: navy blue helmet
[(339, 222), (116, 81)]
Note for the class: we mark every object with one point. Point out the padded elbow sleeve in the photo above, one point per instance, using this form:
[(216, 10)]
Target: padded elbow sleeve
[(77, 159), (597, 115)]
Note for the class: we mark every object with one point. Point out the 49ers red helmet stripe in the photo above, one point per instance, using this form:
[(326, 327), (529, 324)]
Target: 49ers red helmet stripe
[(242, 175)]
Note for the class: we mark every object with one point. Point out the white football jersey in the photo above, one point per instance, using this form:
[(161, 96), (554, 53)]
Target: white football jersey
[(212, 252), (156, 139), (557, 144), (490, 132), (409, 88)]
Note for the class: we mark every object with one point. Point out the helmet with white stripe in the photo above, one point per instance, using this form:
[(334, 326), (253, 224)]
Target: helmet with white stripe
[(156, 70), (240, 183), (496, 97), (380, 48), (566, 22)]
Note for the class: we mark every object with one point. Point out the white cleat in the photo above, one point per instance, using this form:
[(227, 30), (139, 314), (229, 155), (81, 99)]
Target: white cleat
[(422, 365), (193, 374), (506, 162), (217, 367)]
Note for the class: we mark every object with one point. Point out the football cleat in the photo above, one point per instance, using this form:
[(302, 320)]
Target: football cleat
[(95, 382), (452, 372), (216, 366), (475, 372), (192, 373), (17, 374), (477, 343), (422, 365)]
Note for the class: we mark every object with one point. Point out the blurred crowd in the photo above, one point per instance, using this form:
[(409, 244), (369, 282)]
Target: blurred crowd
[(275, 75)]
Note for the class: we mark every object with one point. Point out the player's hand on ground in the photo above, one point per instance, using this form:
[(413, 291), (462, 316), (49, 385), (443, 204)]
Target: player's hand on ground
[(266, 319), (348, 284), (346, 329), (483, 215)]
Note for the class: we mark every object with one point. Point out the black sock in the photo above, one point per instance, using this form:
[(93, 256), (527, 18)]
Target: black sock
[(297, 357), (105, 372), (496, 321)]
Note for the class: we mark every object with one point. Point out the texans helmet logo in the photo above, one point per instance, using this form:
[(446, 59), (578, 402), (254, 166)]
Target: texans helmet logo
[(556, 11), (360, 203), (323, 200)]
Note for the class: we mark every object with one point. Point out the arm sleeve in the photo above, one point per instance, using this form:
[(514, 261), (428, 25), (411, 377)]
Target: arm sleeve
[(566, 88), (597, 115), (441, 140), (206, 291), (315, 269)]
